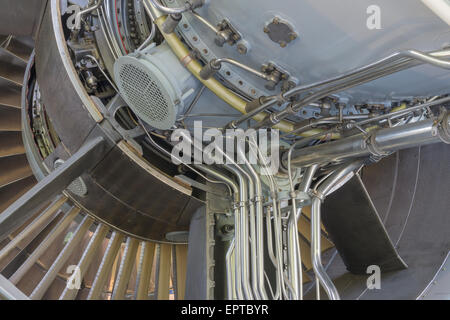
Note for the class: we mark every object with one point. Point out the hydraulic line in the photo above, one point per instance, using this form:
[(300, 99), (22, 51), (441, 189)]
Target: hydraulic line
[(320, 193), (378, 143)]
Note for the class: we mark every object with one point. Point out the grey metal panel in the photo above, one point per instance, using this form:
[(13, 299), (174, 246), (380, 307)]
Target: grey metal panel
[(50, 186), (333, 35), (62, 100), (439, 287), (124, 195), (196, 275), (353, 225), (418, 224), (21, 17), (9, 291)]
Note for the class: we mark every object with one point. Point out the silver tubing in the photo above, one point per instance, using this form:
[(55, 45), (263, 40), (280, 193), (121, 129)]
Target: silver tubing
[(168, 10), (149, 38), (321, 192), (252, 113), (379, 143), (295, 274), (230, 290), (272, 256), (239, 195), (219, 61), (205, 22), (391, 64), (396, 57), (404, 112), (241, 230), (102, 71), (107, 30), (313, 123), (307, 178), (316, 258), (259, 224), (85, 11)]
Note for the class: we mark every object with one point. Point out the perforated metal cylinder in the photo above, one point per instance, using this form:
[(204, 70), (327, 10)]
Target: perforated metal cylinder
[(155, 85)]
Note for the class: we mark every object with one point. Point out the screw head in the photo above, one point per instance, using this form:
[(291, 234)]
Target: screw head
[(266, 30), (283, 44), (242, 49)]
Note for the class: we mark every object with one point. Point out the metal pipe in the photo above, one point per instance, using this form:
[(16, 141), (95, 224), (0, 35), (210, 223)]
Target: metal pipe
[(379, 143), (315, 253), (235, 187), (241, 235), (313, 122), (320, 193), (205, 22), (149, 38), (393, 63), (398, 57), (250, 225), (83, 12), (272, 256), (294, 274), (240, 198), (168, 10), (305, 184), (219, 61), (402, 112), (259, 224), (230, 291), (253, 113)]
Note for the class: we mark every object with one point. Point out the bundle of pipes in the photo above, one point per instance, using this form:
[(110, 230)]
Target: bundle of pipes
[(394, 63), (378, 143), (247, 277)]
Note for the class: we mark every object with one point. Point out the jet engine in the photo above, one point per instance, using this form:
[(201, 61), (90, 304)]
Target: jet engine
[(239, 149)]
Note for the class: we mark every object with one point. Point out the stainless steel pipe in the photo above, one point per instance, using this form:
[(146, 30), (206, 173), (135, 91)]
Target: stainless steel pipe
[(320, 193), (379, 143)]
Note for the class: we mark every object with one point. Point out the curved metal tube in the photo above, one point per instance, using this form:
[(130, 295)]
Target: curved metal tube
[(230, 291), (393, 63), (316, 258), (168, 10), (321, 192), (205, 22), (219, 61), (259, 224), (149, 38), (242, 229), (381, 142), (83, 12)]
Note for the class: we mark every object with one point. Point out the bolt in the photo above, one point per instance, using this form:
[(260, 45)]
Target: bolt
[(276, 20), (283, 44), (242, 49), (266, 30), (293, 36), (228, 228)]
